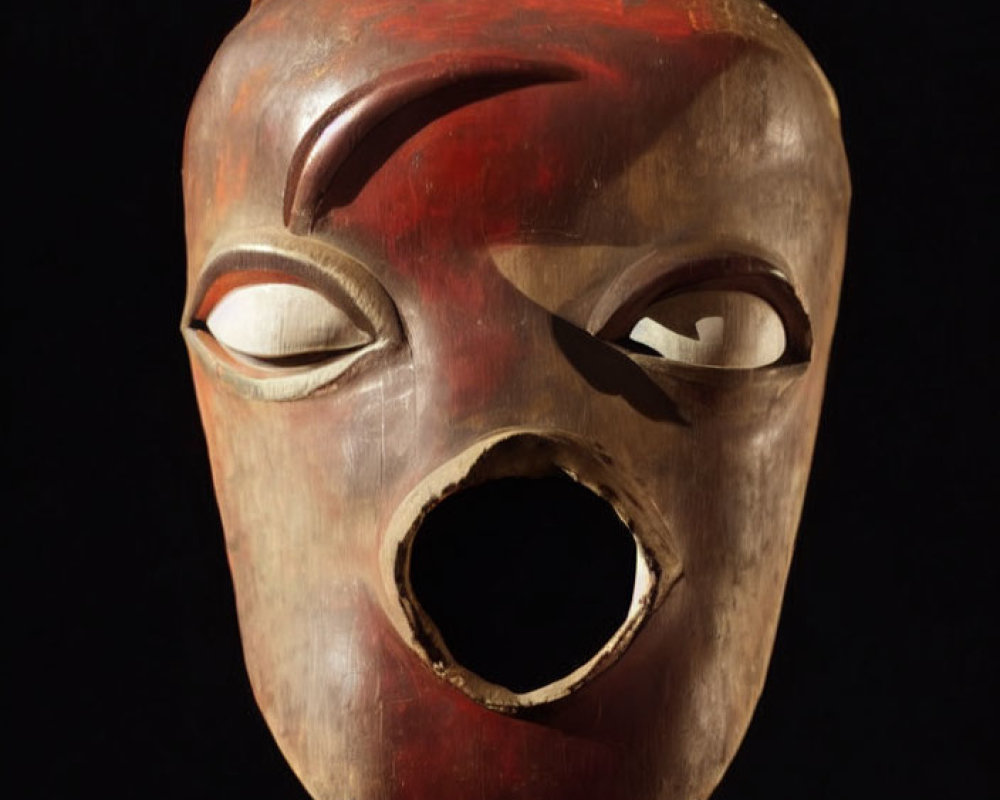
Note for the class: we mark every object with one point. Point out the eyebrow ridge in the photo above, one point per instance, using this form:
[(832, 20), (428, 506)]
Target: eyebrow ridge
[(340, 130)]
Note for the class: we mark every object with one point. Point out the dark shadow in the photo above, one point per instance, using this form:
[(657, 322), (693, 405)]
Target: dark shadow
[(525, 578), (611, 372)]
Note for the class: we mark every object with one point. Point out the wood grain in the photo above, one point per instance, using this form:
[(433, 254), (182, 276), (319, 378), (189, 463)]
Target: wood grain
[(495, 195)]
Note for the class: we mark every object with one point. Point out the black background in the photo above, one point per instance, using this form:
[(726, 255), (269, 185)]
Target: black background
[(125, 677)]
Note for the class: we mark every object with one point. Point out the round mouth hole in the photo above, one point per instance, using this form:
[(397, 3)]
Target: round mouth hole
[(525, 579)]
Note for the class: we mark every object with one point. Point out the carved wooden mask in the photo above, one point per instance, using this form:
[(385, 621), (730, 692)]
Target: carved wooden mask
[(509, 323)]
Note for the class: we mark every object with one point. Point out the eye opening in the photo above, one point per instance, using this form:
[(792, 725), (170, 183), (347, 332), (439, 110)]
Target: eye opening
[(282, 325), (747, 281), (308, 321)]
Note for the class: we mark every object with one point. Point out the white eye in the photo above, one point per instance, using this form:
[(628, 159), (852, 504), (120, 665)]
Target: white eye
[(712, 328), (278, 323)]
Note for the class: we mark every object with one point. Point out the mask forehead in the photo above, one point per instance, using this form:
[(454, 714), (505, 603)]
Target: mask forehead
[(637, 70)]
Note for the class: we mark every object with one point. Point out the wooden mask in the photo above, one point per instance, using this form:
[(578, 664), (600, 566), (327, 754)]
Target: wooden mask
[(509, 323)]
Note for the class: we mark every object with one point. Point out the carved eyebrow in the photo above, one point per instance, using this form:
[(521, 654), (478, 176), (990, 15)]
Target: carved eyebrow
[(342, 144)]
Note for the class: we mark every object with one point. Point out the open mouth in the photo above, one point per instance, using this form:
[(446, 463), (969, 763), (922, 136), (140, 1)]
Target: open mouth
[(525, 579), (521, 573)]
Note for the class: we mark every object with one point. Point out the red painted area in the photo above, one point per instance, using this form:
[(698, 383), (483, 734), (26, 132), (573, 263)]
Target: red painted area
[(443, 746), (433, 22), (509, 168)]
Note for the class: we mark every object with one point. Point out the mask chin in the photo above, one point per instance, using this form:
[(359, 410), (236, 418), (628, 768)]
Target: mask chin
[(524, 566)]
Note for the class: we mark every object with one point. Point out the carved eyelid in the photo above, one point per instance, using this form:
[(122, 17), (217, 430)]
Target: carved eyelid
[(358, 316), (650, 281)]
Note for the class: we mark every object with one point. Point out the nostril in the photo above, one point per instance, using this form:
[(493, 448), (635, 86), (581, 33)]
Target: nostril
[(525, 579)]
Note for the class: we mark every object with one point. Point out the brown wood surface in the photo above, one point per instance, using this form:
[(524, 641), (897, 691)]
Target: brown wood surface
[(494, 194)]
